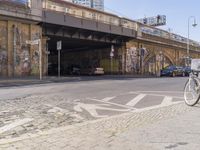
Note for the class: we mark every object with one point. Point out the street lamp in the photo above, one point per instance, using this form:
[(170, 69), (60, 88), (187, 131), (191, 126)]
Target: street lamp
[(188, 39)]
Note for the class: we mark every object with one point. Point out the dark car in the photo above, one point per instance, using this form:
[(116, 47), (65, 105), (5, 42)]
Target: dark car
[(172, 71), (187, 70)]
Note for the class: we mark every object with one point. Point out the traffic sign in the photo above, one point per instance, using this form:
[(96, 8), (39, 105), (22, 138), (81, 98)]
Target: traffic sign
[(33, 42), (112, 51), (59, 45)]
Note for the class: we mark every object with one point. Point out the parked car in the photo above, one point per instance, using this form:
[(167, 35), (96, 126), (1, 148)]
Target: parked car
[(187, 70), (172, 71), (92, 71)]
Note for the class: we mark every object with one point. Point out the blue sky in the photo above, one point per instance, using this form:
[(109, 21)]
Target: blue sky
[(176, 11)]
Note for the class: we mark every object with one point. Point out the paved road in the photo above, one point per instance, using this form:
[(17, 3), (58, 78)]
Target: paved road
[(38, 108)]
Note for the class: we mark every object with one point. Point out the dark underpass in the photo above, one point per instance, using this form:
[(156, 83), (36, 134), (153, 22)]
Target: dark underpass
[(80, 57)]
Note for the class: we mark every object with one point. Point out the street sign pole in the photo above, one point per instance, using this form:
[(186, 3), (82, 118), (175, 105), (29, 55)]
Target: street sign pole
[(40, 51), (59, 47), (58, 63)]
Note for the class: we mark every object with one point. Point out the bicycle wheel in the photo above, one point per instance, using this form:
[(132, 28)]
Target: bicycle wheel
[(192, 91)]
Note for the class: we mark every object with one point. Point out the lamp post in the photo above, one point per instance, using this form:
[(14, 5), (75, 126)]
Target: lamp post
[(188, 39)]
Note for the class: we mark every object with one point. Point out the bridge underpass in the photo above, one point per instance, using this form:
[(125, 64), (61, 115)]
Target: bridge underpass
[(82, 54)]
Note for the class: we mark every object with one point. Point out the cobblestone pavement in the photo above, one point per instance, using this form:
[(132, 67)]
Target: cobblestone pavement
[(108, 133), (42, 113), (52, 111), (34, 114)]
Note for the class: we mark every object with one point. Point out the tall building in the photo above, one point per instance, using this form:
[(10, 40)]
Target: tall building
[(96, 4), (86, 3)]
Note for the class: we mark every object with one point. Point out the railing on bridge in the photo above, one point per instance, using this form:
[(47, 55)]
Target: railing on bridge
[(100, 16), (92, 14), (88, 13), (167, 35)]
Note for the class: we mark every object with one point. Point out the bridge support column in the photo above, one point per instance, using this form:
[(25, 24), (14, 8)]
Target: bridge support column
[(124, 55), (10, 48), (18, 59)]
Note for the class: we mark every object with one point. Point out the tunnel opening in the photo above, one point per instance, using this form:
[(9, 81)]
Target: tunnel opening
[(81, 57)]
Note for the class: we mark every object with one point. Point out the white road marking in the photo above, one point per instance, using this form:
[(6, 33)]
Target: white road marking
[(16, 123), (156, 95), (116, 104), (134, 101), (108, 98), (167, 100), (155, 107), (157, 91), (92, 109)]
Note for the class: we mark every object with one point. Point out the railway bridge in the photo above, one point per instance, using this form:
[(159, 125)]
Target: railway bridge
[(87, 36)]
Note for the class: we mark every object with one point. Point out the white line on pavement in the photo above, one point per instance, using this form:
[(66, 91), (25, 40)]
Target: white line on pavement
[(156, 95), (155, 107), (124, 106), (108, 98), (134, 101), (15, 124), (158, 91), (167, 100)]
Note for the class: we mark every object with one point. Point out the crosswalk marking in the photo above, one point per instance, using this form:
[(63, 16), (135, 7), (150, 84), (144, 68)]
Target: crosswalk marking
[(108, 98), (134, 101), (167, 100)]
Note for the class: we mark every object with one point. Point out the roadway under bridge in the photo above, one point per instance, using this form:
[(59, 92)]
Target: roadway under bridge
[(83, 49)]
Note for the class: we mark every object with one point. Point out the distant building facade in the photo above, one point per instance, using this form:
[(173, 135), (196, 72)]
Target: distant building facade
[(96, 4)]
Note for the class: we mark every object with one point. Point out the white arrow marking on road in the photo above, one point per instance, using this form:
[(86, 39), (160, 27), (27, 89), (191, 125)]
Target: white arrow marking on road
[(167, 100), (91, 108), (16, 123), (134, 101), (108, 98)]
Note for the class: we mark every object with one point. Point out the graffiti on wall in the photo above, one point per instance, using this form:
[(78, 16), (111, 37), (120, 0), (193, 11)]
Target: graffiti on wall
[(21, 52), (26, 57), (35, 54), (3, 61), (132, 60), (3, 50)]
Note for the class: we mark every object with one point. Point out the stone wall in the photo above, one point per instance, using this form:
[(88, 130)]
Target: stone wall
[(155, 56), (16, 57)]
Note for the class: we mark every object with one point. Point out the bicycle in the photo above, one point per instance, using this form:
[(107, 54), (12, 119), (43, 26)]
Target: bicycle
[(192, 86)]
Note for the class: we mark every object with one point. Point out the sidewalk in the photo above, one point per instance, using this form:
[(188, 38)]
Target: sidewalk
[(23, 81), (175, 127)]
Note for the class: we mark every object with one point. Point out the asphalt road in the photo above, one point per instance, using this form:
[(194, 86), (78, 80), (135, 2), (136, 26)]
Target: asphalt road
[(35, 108)]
